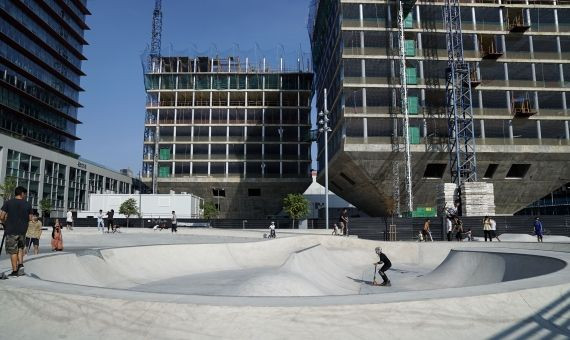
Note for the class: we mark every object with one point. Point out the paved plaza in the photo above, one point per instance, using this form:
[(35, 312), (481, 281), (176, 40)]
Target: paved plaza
[(213, 283)]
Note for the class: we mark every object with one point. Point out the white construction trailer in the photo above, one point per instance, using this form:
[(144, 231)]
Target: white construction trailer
[(151, 205)]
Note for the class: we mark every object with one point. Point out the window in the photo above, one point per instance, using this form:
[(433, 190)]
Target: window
[(435, 170), (490, 170), (219, 192), (254, 192), (518, 170)]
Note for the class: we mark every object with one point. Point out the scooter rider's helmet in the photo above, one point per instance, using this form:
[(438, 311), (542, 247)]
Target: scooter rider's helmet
[(378, 250)]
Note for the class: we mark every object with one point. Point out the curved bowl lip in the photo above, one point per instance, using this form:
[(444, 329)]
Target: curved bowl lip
[(559, 277)]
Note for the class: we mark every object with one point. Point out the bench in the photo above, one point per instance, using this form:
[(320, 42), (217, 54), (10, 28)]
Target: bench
[(194, 224)]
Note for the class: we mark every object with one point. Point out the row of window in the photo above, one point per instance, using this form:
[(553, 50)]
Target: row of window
[(17, 14), (17, 125), (229, 82), (37, 71), (32, 47), (30, 87)]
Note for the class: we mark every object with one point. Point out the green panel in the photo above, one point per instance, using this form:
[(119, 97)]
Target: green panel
[(409, 21), (254, 82), (202, 82), (411, 76), (164, 154), (410, 48), (220, 82), (168, 82), (272, 81), (413, 105), (237, 82), (164, 171), (184, 82), (414, 135)]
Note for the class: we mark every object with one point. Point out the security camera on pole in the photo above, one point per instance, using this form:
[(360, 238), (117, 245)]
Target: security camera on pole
[(324, 127)]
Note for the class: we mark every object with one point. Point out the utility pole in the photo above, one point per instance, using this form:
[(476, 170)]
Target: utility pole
[(324, 127)]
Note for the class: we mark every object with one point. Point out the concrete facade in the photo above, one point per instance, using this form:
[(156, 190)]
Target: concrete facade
[(234, 132), (519, 91)]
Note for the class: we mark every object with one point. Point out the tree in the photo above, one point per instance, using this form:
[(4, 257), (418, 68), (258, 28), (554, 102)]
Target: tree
[(45, 208), (296, 205), (210, 210), (8, 188), (129, 208)]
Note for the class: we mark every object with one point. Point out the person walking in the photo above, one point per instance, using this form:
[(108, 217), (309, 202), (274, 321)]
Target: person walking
[(174, 223), (100, 223), (15, 215), (110, 216), (56, 238), (386, 264), (343, 221), (69, 220), (538, 229), (487, 229), (494, 229), (33, 234)]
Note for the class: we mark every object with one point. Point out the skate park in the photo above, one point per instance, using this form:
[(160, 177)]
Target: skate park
[(213, 283)]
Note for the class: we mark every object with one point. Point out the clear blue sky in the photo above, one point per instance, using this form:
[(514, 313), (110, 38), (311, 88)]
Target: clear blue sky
[(114, 98)]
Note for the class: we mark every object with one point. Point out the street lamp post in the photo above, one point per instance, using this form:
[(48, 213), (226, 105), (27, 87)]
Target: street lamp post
[(324, 127)]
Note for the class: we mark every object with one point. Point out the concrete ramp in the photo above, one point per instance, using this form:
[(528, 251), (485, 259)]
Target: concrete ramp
[(463, 268), (296, 266)]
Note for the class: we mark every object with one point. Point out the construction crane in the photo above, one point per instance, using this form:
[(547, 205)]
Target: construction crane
[(461, 142), (404, 7), (154, 64)]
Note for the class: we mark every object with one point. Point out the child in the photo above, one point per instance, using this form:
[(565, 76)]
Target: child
[(33, 234), (336, 230), (469, 235), (272, 230), (56, 237), (387, 264)]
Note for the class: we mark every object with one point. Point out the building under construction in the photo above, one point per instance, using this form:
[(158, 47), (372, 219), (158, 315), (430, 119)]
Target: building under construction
[(234, 131), (518, 52)]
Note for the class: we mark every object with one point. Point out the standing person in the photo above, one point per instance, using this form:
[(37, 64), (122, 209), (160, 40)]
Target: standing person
[(33, 234), (494, 229), (69, 220), (343, 220), (538, 229), (458, 229), (100, 223), (110, 215), (387, 264), (426, 231), (15, 214), (56, 238), (174, 222), (487, 229), (272, 230), (449, 224)]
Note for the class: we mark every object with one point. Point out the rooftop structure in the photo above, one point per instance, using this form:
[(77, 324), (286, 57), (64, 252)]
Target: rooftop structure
[(518, 52)]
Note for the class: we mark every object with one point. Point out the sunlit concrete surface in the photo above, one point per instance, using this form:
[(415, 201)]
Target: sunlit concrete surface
[(209, 283)]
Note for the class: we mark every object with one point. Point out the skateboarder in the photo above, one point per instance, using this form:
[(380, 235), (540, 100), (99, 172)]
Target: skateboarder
[(538, 229), (426, 231), (387, 264)]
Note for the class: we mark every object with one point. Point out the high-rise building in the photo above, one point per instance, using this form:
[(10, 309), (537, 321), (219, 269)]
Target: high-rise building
[(232, 131), (518, 52), (41, 50)]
